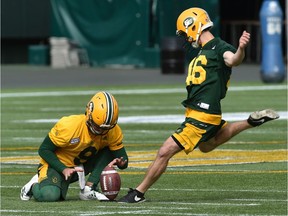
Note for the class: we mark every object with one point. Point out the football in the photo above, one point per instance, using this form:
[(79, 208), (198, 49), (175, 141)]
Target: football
[(110, 182)]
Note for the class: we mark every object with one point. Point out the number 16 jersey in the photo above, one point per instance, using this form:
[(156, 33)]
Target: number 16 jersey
[(208, 78)]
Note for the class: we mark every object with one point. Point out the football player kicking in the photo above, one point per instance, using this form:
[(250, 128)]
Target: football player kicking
[(206, 83), (76, 146)]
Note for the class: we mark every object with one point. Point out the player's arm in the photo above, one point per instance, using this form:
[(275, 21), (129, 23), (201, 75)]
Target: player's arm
[(47, 152), (117, 148), (120, 158), (233, 59)]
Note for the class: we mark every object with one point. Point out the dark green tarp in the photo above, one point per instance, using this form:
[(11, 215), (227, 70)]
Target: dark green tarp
[(122, 32)]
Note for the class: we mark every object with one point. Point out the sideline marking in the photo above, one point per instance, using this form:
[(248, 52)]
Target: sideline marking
[(134, 91), (25, 148), (142, 159)]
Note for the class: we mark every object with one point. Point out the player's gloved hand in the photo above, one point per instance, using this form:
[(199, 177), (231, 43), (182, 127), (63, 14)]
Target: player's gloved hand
[(117, 161), (67, 172)]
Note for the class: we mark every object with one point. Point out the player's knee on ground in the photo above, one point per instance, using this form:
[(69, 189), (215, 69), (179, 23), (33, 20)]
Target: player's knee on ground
[(47, 193)]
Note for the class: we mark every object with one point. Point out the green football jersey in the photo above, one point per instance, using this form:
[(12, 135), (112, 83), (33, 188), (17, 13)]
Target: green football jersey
[(208, 77)]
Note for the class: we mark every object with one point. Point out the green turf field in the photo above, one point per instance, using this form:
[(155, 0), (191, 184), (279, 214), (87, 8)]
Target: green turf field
[(246, 176)]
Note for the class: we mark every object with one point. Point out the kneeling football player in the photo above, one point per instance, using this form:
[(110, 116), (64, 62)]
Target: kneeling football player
[(79, 145)]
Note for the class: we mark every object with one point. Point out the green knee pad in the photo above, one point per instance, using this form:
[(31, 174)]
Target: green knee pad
[(48, 193)]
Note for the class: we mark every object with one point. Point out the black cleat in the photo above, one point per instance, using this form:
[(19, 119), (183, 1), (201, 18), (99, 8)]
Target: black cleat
[(259, 117), (133, 196)]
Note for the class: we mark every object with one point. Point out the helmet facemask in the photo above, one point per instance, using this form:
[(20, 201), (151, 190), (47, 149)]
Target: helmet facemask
[(98, 129)]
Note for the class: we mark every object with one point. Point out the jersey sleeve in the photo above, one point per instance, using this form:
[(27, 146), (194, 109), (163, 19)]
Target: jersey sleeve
[(60, 134), (226, 47), (121, 153), (47, 152)]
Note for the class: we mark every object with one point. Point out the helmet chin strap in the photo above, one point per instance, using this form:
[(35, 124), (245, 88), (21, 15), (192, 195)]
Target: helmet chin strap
[(195, 44)]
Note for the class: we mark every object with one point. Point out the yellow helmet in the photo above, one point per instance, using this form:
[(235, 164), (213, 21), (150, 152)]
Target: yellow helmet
[(191, 23), (101, 113)]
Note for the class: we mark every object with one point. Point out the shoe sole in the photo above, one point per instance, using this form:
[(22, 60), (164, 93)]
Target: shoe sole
[(85, 197), (131, 202), (265, 113)]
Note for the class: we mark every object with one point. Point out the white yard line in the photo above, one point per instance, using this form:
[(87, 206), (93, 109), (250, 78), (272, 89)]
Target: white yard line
[(134, 91), (162, 118)]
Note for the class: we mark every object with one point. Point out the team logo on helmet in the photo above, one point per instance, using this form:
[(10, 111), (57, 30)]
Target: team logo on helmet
[(188, 22), (91, 106)]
